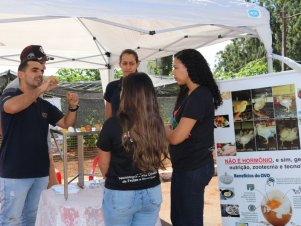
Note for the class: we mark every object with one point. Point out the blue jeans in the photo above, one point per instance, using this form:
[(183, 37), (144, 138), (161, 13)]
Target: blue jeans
[(187, 195), (19, 200), (132, 207)]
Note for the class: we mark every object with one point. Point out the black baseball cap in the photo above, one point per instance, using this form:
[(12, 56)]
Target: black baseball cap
[(34, 52)]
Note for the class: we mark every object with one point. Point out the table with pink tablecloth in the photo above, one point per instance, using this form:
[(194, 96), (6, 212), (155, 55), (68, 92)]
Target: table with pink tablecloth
[(82, 208)]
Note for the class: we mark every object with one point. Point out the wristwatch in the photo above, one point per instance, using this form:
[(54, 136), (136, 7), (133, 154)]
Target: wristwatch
[(73, 109)]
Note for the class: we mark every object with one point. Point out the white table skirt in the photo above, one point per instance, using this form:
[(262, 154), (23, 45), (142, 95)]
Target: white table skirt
[(81, 209)]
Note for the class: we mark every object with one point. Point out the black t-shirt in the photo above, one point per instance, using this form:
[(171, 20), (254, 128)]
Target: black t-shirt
[(112, 95), (122, 174), (24, 149), (195, 151)]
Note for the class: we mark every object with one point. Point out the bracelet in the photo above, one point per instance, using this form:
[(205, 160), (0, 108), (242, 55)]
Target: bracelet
[(74, 109)]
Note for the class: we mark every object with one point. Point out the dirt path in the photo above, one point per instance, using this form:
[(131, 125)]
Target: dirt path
[(212, 213)]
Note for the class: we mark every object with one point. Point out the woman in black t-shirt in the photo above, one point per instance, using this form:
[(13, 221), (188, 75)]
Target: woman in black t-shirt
[(132, 148), (128, 62), (191, 137)]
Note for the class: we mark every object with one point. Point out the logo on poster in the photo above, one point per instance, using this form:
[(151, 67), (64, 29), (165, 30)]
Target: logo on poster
[(253, 13)]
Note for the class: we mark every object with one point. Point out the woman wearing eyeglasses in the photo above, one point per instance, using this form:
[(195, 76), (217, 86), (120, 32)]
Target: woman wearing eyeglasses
[(128, 62)]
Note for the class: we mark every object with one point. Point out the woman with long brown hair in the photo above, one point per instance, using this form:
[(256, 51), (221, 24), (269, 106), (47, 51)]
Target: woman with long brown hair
[(132, 148)]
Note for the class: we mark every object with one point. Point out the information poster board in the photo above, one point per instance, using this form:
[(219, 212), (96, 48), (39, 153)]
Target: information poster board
[(257, 138)]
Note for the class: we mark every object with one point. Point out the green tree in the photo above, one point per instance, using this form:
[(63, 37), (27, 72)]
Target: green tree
[(288, 12), (118, 73), (75, 75), (164, 67), (153, 67), (242, 51), (239, 53), (255, 67), (167, 65)]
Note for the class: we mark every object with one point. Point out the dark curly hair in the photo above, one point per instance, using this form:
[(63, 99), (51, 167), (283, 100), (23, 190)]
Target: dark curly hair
[(199, 72)]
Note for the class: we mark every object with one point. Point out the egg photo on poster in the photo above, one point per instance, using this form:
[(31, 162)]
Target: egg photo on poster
[(226, 178), (226, 193), (226, 95), (226, 149), (241, 224), (221, 121), (230, 210), (276, 208)]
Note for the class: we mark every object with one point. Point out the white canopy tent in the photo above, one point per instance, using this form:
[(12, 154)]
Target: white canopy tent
[(91, 34), (82, 33)]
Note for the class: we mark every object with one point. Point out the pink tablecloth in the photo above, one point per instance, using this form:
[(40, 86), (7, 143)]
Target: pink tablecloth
[(81, 209)]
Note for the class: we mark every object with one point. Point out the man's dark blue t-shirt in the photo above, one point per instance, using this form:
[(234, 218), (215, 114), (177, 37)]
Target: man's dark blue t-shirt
[(24, 149)]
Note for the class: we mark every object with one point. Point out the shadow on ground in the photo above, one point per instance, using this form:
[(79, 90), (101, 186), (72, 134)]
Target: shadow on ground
[(164, 223)]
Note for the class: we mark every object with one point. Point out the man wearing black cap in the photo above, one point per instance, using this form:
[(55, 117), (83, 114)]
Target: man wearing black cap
[(30, 52), (37, 52), (34, 51), (24, 161)]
